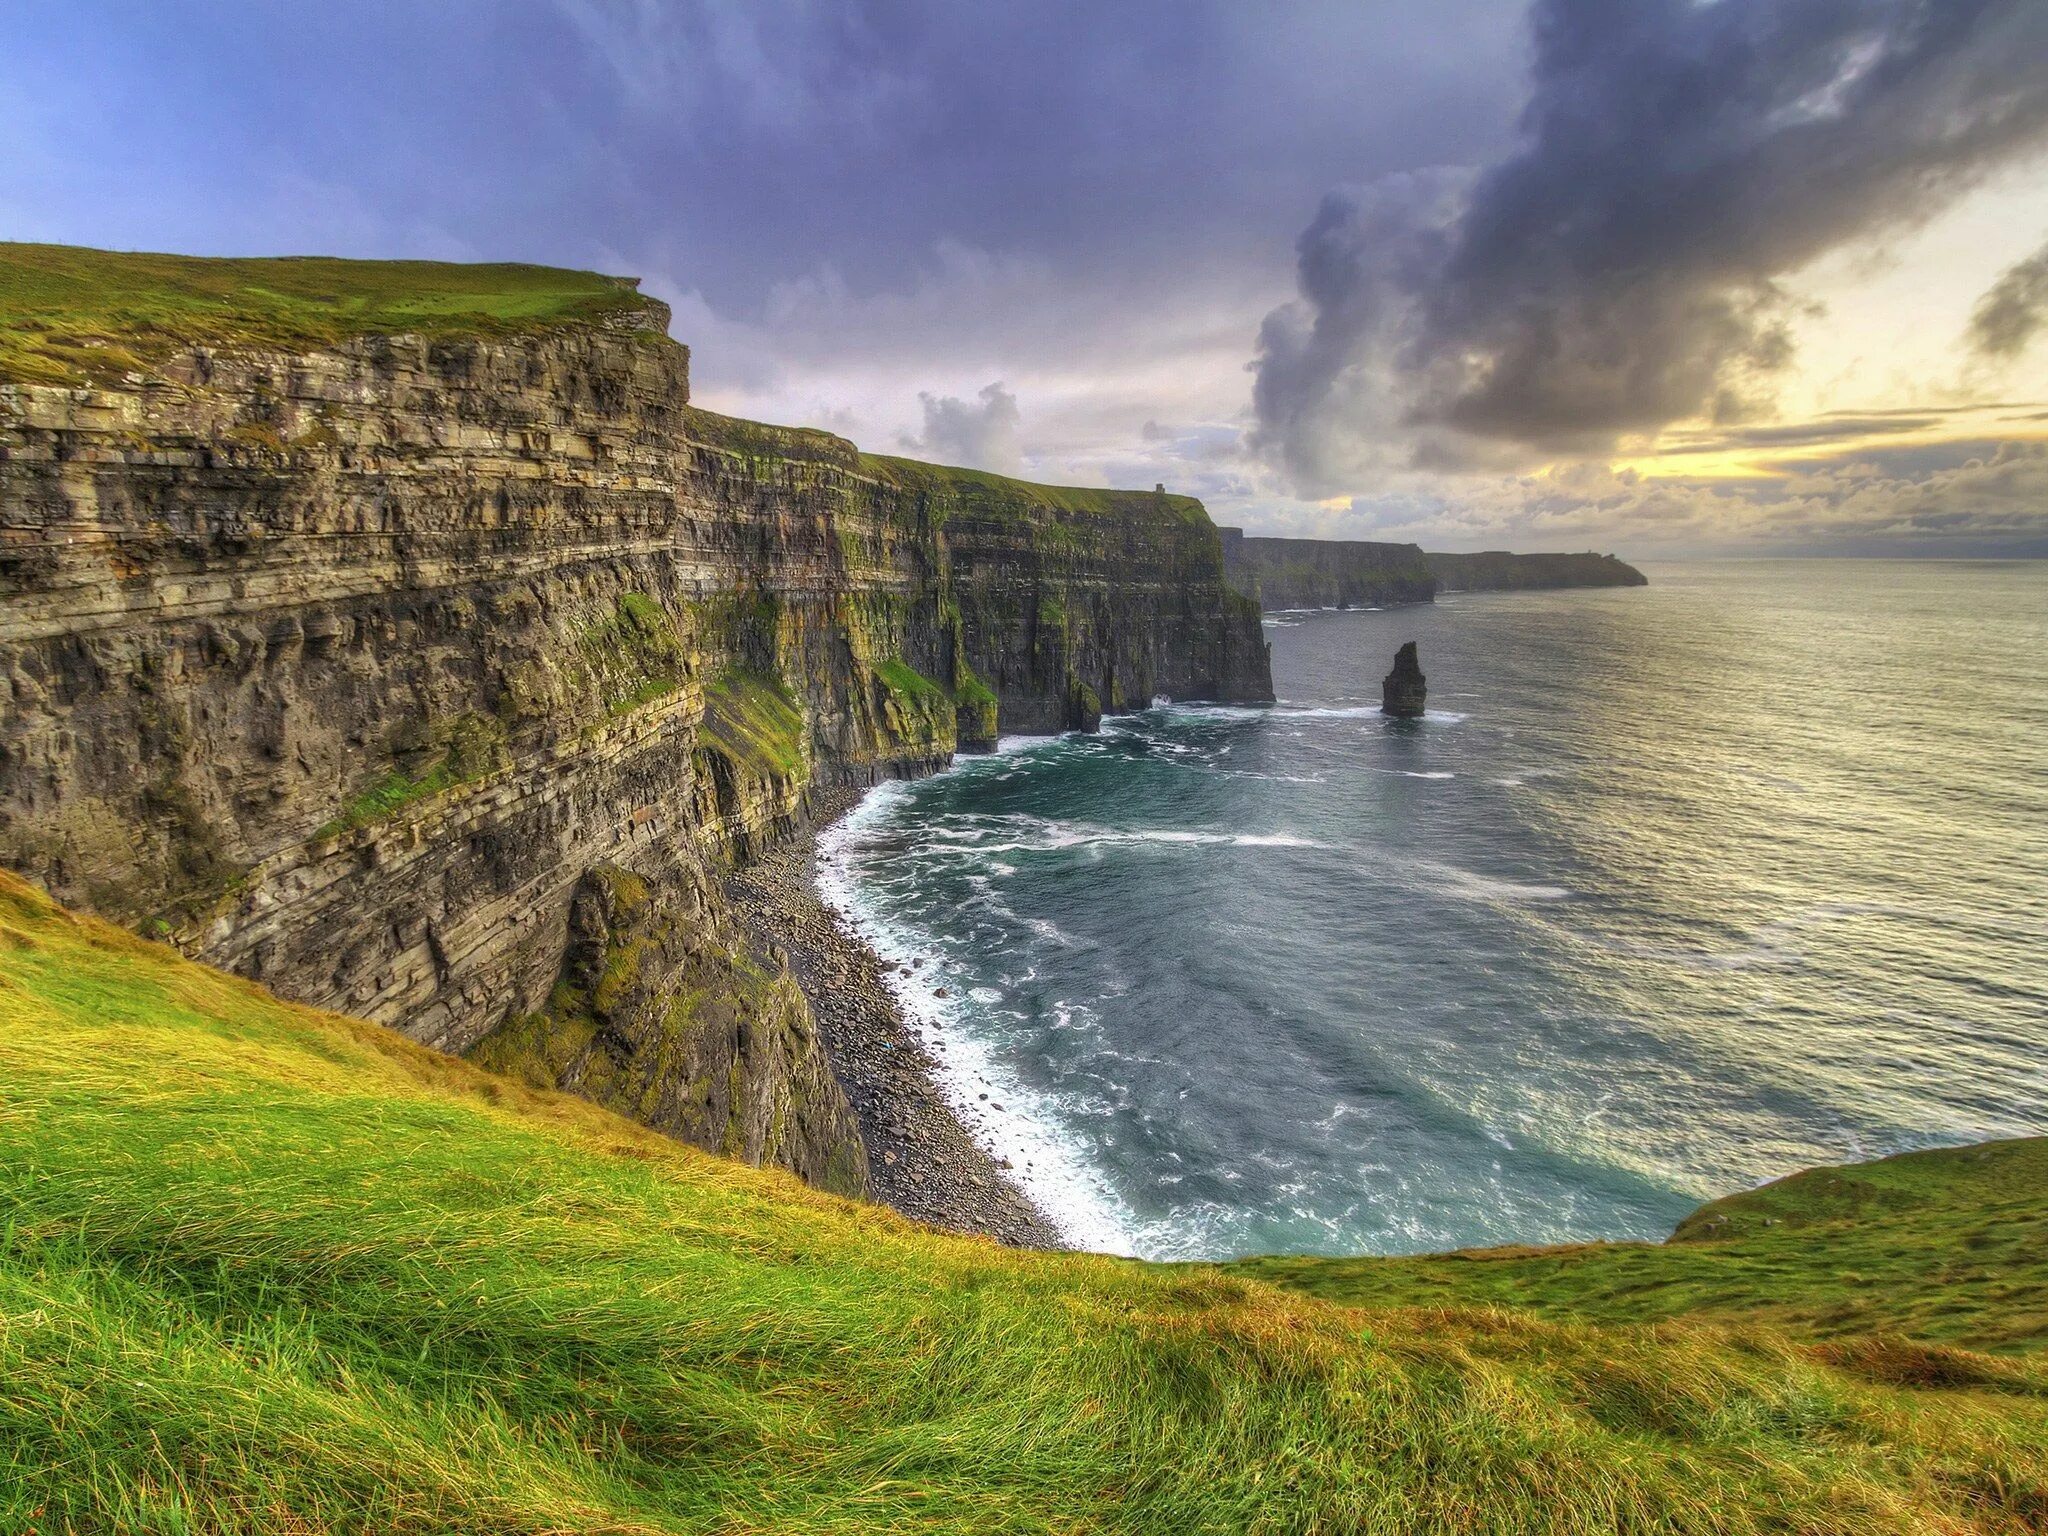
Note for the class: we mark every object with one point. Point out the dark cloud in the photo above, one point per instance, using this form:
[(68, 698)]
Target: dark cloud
[(845, 202), (982, 433), (1906, 462), (733, 145), (2014, 309), (1622, 268)]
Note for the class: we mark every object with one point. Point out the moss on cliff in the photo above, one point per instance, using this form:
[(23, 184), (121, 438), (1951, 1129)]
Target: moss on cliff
[(977, 711), (664, 1013), (755, 721), (70, 315), (918, 713), (266, 1269), (634, 654), (458, 751)]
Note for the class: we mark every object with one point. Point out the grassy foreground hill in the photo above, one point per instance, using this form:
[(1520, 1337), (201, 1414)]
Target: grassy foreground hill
[(268, 1269)]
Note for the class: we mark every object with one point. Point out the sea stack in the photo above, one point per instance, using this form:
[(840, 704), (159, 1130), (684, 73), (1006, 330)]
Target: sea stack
[(1402, 691)]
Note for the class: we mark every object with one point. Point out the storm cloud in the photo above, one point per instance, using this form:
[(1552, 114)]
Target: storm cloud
[(1623, 266)]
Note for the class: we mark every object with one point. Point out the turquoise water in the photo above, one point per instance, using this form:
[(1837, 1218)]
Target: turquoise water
[(1675, 890)]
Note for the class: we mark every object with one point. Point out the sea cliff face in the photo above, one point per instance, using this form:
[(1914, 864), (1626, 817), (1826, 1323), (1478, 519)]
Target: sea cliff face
[(1326, 573), (1356, 573), (1496, 570), (432, 680)]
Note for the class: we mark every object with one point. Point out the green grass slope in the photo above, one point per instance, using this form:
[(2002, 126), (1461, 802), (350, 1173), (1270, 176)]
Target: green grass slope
[(267, 1269), (69, 315), (1948, 1246)]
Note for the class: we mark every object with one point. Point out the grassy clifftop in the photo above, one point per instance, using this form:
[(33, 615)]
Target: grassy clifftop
[(70, 315), (976, 491), (263, 1268), (980, 490)]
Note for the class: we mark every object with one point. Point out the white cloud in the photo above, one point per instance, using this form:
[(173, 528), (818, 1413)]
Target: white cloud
[(982, 435)]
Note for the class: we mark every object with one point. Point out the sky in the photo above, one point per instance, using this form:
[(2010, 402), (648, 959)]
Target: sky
[(1661, 277)]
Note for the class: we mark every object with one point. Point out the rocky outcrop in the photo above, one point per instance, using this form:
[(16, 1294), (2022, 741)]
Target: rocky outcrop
[(1326, 573), (1402, 691), (1498, 571), (382, 672), (665, 1014)]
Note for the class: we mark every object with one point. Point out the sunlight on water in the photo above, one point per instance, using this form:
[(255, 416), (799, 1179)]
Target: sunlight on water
[(1675, 890)]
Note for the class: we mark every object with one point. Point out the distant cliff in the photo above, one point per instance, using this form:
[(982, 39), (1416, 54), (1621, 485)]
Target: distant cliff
[(1326, 573), (1356, 573), (1498, 571), (400, 636)]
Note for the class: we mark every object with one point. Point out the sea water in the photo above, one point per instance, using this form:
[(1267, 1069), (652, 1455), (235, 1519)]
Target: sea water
[(1674, 890)]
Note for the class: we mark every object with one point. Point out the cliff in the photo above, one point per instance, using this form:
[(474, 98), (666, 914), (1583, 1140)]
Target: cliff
[(429, 674), (1496, 570), (1354, 573), (1325, 573)]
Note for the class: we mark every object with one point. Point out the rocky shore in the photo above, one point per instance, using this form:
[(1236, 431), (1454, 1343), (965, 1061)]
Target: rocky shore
[(921, 1160)]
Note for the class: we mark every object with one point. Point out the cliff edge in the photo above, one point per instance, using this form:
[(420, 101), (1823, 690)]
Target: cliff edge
[(399, 636)]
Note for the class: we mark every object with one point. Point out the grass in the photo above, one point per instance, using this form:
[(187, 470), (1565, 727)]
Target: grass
[(266, 1269), (69, 315), (973, 691), (634, 654), (910, 685), (755, 721), (468, 746), (1948, 1245)]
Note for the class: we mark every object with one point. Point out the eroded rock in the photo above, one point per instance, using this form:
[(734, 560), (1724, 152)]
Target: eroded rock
[(1401, 691)]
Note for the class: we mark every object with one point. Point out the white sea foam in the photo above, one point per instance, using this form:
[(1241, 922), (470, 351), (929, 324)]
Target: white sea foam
[(1473, 886), (1036, 834), (1052, 1166), (1247, 773)]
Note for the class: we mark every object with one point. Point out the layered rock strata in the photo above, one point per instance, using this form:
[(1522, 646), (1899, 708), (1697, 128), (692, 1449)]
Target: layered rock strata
[(431, 682)]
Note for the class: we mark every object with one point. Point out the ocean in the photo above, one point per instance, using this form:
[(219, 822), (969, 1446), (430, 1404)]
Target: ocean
[(1675, 890)]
